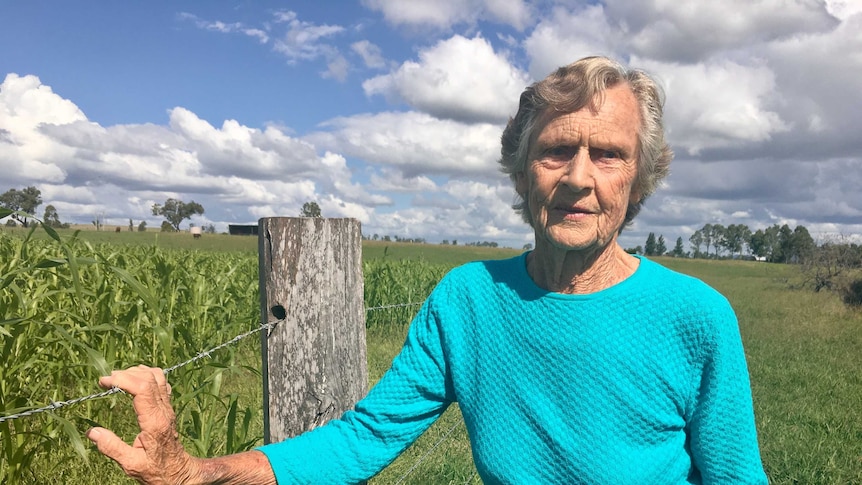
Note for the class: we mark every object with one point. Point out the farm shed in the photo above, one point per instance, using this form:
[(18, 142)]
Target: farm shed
[(242, 229)]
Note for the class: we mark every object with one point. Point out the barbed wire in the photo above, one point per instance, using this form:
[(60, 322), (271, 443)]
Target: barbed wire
[(396, 305), (201, 355)]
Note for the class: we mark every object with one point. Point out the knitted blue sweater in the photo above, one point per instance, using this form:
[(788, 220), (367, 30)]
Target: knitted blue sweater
[(644, 382)]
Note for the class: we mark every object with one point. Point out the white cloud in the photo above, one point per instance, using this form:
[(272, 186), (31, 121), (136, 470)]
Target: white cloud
[(337, 69), (717, 104), (510, 12), (565, 36), (458, 78), (370, 53), (415, 143), (225, 27), (691, 30), (389, 180), (844, 9), (304, 40)]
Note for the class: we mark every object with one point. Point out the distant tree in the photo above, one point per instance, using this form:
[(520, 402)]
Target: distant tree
[(650, 246), (310, 209), (51, 218), (802, 245), (527, 247), (635, 250), (176, 211), (167, 227), (678, 250), (706, 230), (785, 245), (735, 238), (99, 221), (25, 200), (719, 232), (142, 227), (454, 242), (660, 247), (375, 237), (209, 228), (757, 244), (696, 241)]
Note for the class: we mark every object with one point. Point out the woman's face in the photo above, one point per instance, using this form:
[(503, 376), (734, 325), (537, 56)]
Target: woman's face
[(580, 173)]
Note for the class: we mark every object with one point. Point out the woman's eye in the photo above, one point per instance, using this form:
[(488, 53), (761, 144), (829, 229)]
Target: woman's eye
[(607, 154), (560, 153)]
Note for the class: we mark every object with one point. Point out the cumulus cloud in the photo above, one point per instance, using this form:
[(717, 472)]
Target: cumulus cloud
[(414, 143), (458, 78), (567, 35), (390, 180), (691, 30), (718, 104)]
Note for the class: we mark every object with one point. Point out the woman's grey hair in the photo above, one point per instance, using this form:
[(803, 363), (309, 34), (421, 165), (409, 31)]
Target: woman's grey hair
[(571, 88)]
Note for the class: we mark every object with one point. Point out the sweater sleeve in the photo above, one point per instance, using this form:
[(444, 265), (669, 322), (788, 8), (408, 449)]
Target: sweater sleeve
[(722, 430), (409, 397)]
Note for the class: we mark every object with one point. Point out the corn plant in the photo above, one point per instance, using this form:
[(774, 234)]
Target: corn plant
[(71, 311)]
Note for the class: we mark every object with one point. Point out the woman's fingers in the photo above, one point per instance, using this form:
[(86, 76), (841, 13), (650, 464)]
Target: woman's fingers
[(113, 447)]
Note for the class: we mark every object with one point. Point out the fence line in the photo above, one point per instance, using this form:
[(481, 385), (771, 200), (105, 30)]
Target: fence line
[(206, 353)]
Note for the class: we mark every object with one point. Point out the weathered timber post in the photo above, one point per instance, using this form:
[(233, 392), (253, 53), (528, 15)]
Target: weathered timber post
[(314, 362)]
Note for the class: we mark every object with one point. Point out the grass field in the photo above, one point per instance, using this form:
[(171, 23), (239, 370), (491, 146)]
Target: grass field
[(804, 350)]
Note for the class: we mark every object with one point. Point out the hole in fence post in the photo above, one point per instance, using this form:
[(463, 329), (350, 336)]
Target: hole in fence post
[(278, 312)]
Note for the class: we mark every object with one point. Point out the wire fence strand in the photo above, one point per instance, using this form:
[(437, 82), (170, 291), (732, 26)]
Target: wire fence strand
[(427, 453)]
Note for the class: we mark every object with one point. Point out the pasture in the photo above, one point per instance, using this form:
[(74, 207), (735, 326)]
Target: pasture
[(74, 307)]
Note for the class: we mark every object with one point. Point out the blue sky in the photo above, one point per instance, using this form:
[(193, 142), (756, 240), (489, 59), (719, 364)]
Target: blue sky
[(391, 111)]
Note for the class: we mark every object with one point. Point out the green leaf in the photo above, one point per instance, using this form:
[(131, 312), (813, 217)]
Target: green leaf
[(74, 436), (143, 292), (51, 232), (5, 212), (98, 361), (49, 263)]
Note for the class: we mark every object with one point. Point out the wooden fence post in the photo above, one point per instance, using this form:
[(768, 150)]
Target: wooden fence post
[(314, 362)]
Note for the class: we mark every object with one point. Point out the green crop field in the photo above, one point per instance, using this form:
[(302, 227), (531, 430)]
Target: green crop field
[(73, 307)]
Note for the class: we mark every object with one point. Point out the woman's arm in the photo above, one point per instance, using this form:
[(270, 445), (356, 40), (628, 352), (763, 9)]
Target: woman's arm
[(157, 456)]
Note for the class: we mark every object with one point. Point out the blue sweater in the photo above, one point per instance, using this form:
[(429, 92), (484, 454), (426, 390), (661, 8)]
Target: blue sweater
[(644, 382)]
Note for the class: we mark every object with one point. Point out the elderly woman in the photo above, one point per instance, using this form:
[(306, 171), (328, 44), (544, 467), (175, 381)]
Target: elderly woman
[(573, 363)]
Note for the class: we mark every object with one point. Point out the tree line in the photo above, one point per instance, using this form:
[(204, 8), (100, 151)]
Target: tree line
[(776, 244), (832, 265)]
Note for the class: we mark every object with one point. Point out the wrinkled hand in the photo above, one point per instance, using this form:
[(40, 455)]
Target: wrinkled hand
[(156, 456)]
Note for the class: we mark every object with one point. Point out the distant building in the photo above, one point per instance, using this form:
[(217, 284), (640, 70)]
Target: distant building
[(242, 229)]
